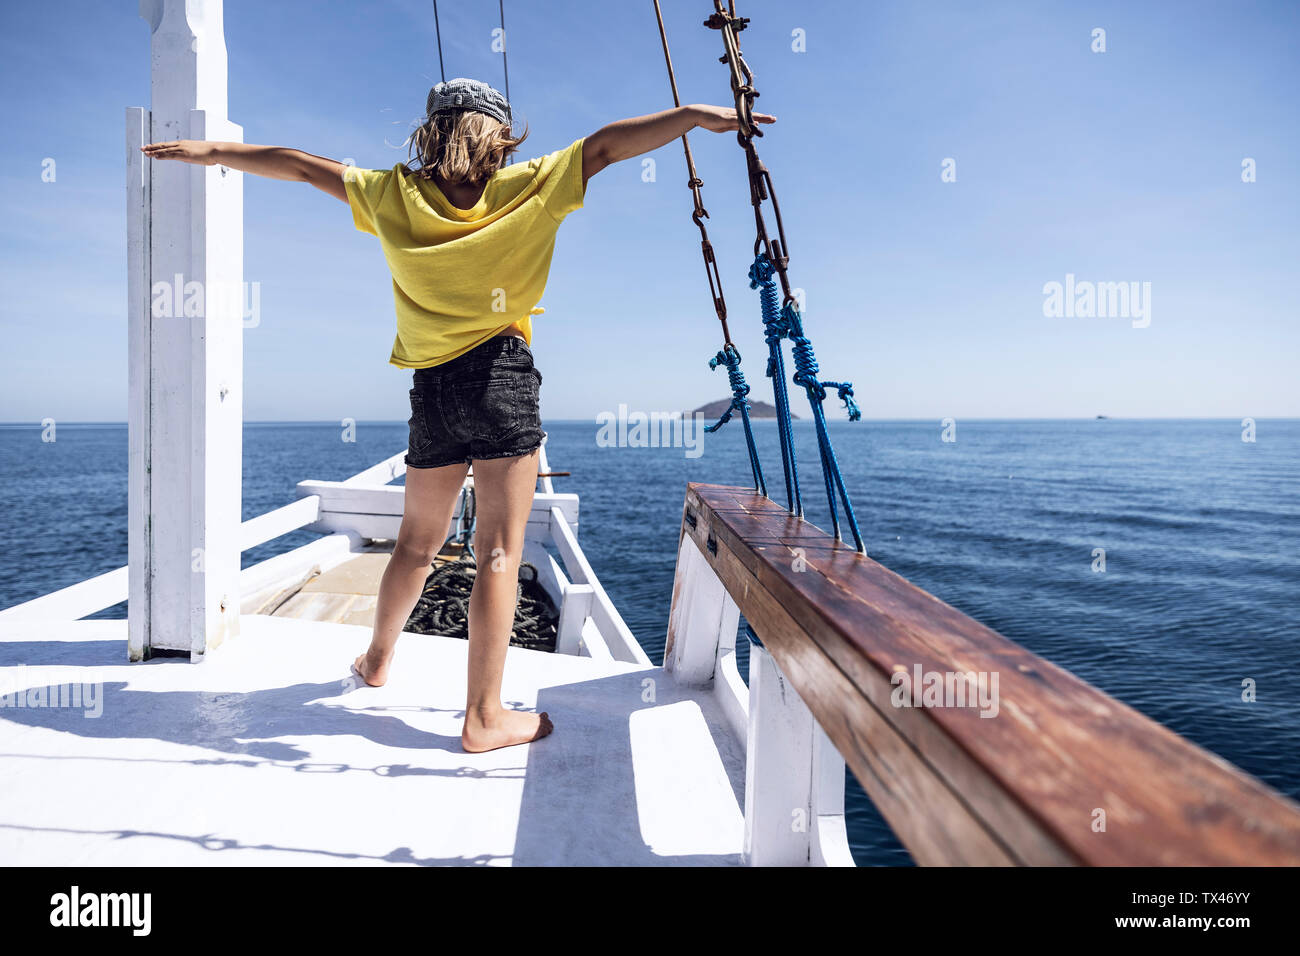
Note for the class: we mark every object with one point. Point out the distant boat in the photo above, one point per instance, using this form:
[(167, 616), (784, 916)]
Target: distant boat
[(757, 409), (1102, 417)]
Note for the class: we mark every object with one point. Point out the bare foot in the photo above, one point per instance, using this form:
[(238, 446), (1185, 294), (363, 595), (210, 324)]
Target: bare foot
[(374, 672), (504, 729)]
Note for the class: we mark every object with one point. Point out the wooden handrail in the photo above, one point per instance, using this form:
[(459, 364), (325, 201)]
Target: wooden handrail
[(1032, 784)]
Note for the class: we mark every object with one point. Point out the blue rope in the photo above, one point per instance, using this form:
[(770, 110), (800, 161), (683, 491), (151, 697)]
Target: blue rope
[(805, 363), (788, 323), (760, 277), (464, 534), (729, 357)]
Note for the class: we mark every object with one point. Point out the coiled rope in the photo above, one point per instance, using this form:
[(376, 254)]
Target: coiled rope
[(443, 606)]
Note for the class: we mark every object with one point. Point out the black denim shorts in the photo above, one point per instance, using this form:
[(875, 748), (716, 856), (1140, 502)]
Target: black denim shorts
[(483, 404)]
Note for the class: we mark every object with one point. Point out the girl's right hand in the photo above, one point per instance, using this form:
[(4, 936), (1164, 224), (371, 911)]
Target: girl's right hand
[(196, 151)]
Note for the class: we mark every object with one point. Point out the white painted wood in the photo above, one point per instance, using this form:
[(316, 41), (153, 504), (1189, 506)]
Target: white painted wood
[(75, 601), (593, 642), (114, 587), (217, 396), (732, 694), (271, 525), (376, 525), (382, 473), (549, 573), (385, 527), (544, 485), (829, 845), (545, 505), (188, 54), (139, 329), (728, 686), (566, 542), (703, 618), (371, 511), (794, 778), (615, 633), (575, 610), (778, 768), (346, 498), (365, 527), (189, 423), (273, 573)]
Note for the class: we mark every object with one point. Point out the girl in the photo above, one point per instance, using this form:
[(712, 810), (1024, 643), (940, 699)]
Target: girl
[(469, 241)]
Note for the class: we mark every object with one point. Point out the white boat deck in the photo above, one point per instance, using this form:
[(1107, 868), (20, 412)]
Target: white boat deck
[(268, 754)]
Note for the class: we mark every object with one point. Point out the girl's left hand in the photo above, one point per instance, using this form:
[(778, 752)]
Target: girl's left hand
[(196, 151), (723, 119)]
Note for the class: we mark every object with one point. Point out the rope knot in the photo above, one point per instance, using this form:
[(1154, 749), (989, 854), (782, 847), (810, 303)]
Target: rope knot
[(761, 271), (845, 390), (846, 396), (730, 357), (816, 392)]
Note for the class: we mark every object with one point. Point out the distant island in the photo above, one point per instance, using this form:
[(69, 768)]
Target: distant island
[(757, 409)]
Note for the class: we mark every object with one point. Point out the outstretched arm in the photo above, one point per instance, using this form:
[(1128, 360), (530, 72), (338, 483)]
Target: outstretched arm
[(273, 162), (640, 134)]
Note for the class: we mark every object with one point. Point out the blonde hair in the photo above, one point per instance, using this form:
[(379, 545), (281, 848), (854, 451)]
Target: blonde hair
[(461, 146)]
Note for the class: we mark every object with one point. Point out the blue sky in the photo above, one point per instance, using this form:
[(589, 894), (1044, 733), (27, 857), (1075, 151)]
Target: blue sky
[(1123, 166)]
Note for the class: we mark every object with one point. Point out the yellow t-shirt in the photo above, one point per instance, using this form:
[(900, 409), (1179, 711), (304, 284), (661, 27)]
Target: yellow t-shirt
[(460, 276)]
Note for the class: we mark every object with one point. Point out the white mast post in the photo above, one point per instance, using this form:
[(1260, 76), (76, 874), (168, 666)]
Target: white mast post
[(185, 265)]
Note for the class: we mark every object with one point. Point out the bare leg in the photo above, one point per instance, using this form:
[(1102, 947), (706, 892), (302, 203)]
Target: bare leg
[(426, 516), (503, 490)]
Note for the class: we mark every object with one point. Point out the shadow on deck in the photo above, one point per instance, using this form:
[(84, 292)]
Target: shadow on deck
[(268, 753)]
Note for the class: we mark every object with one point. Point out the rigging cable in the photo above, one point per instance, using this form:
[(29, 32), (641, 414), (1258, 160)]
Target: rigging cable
[(728, 355), (437, 28), (505, 66), (771, 258)]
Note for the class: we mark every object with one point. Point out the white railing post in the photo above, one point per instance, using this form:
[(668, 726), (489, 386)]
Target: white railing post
[(778, 768), (794, 777), (702, 617), (185, 283), (575, 609), (829, 845)]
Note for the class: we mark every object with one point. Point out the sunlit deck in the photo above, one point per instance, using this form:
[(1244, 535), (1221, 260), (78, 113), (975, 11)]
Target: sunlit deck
[(269, 754)]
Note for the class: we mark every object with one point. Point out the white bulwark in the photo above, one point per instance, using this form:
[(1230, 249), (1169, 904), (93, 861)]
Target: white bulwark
[(185, 322)]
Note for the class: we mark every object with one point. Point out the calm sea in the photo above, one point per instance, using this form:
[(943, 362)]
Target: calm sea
[(1201, 533)]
